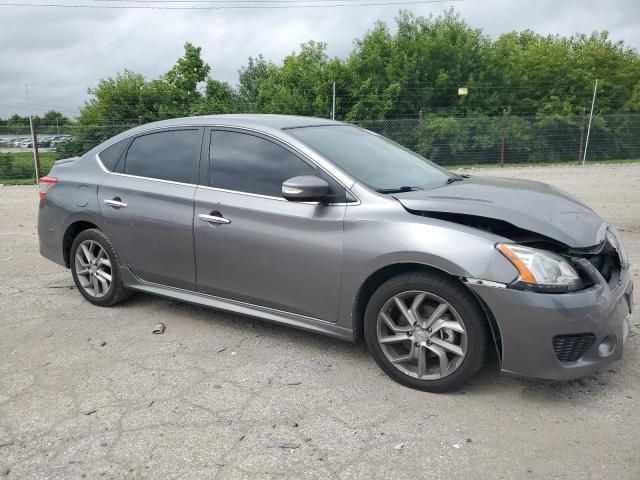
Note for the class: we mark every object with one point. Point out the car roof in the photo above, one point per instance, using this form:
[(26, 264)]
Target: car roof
[(267, 123), (279, 122)]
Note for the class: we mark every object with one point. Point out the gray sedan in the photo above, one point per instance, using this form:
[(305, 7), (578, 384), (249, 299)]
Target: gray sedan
[(334, 229)]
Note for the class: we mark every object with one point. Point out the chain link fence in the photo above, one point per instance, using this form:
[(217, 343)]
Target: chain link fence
[(450, 141)]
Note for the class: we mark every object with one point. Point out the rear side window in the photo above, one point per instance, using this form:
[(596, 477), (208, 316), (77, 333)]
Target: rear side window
[(110, 155), (250, 164), (167, 155)]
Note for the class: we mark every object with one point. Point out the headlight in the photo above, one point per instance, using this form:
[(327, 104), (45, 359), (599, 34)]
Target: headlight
[(540, 270)]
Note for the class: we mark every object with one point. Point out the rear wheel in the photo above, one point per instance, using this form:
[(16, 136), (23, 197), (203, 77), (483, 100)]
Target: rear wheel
[(95, 267), (426, 331)]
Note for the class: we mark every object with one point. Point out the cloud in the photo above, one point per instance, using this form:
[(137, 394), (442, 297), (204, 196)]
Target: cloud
[(61, 52)]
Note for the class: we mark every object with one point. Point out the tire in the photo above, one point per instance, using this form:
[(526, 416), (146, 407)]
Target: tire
[(96, 241), (466, 331)]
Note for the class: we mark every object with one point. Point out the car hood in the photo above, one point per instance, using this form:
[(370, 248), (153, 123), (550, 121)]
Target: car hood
[(534, 206)]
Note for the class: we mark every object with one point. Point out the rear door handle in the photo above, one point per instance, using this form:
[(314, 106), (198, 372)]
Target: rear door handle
[(214, 218), (115, 203)]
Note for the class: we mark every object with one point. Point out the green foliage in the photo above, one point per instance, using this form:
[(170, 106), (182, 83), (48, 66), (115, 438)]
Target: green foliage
[(188, 72), (48, 119), (391, 73), (19, 166)]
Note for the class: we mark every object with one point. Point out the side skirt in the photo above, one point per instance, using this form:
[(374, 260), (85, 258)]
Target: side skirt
[(271, 315)]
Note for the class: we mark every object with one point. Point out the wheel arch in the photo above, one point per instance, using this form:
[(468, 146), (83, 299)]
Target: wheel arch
[(71, 232), (378, 277)]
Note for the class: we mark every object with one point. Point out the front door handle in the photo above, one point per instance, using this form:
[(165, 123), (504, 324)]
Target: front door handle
[(215, 217), (115, 203)]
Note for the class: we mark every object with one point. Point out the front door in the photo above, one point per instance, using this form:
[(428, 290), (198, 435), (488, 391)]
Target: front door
[(254, 246), (148, 207)]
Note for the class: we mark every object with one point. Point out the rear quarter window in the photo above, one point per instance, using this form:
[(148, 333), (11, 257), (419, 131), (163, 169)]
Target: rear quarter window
[(167, 155), (111, 155)]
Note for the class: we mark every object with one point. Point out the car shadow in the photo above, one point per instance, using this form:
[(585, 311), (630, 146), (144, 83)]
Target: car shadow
[(487, 381)]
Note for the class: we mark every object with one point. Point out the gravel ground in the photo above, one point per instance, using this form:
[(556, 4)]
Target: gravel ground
[(87, 392)]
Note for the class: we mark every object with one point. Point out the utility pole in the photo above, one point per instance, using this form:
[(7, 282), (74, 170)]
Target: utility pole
[(333, 103), (34, 140), (593, 103)]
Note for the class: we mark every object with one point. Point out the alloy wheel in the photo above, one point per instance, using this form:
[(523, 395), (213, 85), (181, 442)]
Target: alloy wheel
[(93, 268), (422, 335)]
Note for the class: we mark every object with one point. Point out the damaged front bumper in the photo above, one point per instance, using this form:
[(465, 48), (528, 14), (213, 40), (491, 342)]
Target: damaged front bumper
[(559, 336)]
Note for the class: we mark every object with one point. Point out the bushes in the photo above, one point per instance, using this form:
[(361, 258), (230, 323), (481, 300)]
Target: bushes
[(85, 137), (19, 166), (478, 140), (12, 168)]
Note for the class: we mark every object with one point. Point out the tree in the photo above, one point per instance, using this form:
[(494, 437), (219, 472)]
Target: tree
[(219, 97), (188, 72), (252, 78), (396, 73), (53, 118)]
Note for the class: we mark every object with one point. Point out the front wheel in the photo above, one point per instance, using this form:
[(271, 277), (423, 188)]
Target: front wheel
[(95, 267), (426, 331)]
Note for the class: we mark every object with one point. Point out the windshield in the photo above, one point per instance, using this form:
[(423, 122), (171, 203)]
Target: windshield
[(372, 159)]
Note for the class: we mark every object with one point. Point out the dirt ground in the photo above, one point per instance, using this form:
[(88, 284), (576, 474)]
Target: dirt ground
[(87, 392)]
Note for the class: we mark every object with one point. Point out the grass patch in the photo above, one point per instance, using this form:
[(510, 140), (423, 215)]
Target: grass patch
[(17, 181), (16, 168)]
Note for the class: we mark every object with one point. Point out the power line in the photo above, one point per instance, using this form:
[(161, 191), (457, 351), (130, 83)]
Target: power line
[(242, 1), (345, 3)]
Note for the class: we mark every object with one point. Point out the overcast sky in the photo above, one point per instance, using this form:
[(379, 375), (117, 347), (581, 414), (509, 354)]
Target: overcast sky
[(62, 51)]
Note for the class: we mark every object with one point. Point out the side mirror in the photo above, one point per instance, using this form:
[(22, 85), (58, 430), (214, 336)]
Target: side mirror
[(305, 188)]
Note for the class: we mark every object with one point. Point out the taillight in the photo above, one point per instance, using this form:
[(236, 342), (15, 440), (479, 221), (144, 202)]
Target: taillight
[(45, 184)]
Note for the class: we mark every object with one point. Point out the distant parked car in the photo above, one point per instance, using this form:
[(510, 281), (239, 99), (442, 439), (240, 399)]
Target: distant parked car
[(59, 139), (44, 143), (28, 143)]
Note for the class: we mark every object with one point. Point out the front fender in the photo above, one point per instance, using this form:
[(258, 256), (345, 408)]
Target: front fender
[(371, 245)]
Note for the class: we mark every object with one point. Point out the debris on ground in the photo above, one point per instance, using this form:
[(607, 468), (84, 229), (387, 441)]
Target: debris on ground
[(291, 446), (89, 410), (5, 442), (159, 329), (399, 446)]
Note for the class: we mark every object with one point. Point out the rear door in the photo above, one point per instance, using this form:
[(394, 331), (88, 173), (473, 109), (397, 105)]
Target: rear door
[(147, 205), (262, 249)]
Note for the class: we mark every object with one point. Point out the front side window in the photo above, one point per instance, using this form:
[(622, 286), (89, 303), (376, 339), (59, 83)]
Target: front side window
[(372, 159), (168, 155), (250, 164)]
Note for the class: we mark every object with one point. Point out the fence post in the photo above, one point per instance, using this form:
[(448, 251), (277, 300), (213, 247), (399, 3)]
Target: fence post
[(333, 102), (420, 130), (581, 143), (504, 125)]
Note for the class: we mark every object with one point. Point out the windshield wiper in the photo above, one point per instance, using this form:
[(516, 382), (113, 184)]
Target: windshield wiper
[(404, 188), (456, 178)]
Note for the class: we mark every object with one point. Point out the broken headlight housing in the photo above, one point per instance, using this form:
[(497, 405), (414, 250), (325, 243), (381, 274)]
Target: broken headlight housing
[(540, 270)]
